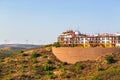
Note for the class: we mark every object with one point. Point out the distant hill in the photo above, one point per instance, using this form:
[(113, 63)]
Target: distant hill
[(7, 50), (17, 46)]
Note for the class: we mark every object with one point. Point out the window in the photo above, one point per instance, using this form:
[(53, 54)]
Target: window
[(82, 42), (64, 42), (118, 37), (102, 41)]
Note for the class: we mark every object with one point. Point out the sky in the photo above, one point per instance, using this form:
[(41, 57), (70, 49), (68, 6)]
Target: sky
[(42, 21)]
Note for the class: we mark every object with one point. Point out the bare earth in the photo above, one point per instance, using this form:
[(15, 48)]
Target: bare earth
[(76, 54)]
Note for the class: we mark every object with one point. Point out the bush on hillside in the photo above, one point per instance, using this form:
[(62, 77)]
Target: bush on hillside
[(1, 59), (35, 61), (49, 62), (79, 67), (98, 68), (50, 74), (38, 69), (23, 54), (35, 55), (56, 44), (111, 74), (66, 76), (48, 67), (64, 63), (21, 51), (109, 59), (44, 56)]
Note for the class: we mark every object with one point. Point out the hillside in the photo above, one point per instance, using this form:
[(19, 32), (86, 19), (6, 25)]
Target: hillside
[(17, 46), (41, 64), (7, 52)]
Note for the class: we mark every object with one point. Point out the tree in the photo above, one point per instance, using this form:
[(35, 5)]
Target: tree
[(56, 44)]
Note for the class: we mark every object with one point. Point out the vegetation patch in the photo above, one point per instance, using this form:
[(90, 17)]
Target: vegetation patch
[(35, 61), (98, 68), (23, 54), (47, 67), (66, 76), (33, 67), (1, 60), (109, 59), (38, 70), (35, 55), (64, 63), (111, 74), (56, 44), (44, 56), (49, 62), (79, 67), (50, 74)]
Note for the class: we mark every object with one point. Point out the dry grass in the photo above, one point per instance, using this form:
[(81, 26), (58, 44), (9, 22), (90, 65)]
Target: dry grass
[(24, 67)]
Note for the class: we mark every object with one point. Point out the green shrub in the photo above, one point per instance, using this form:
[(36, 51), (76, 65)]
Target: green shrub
[(109, 59), (113, 67), (96, 78), (23, 61), (23, 54), (98, 68), (38, 69), (35, 55), (1, 60), (50, 74), (44, 56), (49, 62), (9, 76), (35, 61), (56, 44), (64, 63), (21, 51), (66, 76), (22, 70), (79, 67), (48, 67), (111, 74), (63, 68)]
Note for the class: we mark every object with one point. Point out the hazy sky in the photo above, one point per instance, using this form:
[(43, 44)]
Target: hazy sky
[(41, 21)]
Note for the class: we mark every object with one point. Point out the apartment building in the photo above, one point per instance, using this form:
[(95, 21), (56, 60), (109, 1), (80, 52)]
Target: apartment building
[(75, 38)]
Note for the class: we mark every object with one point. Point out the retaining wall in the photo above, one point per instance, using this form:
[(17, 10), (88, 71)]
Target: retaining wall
[(76, 54)]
